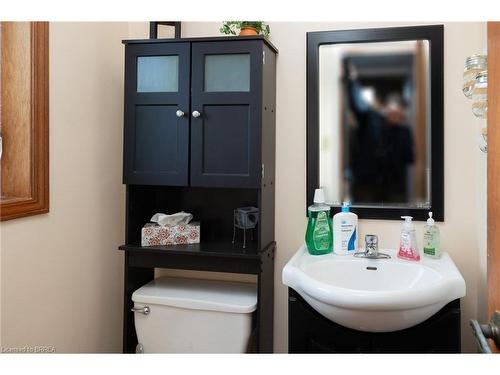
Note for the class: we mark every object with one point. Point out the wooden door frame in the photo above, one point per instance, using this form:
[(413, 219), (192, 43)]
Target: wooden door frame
[(493, 187), (37, 200)]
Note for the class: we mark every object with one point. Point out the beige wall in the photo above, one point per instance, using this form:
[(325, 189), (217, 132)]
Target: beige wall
[(463, 233), (61, 277), (61, 273)]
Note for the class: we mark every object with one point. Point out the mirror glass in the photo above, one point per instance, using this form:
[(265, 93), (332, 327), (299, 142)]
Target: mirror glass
[(374, 123)]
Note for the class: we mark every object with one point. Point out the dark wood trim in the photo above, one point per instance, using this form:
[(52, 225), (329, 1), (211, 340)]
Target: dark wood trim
[(434, 34), (38, 203)]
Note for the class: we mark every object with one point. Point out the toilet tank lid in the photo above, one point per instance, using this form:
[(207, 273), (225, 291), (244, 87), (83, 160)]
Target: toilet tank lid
[(198, 294)]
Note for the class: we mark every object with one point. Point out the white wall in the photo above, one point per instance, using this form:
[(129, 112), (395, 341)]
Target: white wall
[(463, 233), (61, 273)]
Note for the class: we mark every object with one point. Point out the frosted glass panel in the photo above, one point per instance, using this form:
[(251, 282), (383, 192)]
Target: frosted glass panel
[(157, 73), (227, 72)]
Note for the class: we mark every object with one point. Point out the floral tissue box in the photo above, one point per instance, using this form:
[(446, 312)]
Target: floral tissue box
[(154, 234)]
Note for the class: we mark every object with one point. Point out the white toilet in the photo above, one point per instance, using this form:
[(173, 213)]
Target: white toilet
[(174, 315)]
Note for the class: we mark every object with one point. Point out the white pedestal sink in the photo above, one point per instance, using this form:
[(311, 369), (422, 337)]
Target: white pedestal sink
[(374, 295)]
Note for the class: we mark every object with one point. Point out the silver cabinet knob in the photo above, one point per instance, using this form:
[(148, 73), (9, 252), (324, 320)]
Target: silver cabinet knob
[(196, 114), (179, 113)]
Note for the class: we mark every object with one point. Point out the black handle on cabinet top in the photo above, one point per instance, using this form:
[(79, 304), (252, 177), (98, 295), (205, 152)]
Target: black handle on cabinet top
[(153, 28)]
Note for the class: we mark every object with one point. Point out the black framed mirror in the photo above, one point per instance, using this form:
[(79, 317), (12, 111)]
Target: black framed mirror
[(375, 120)]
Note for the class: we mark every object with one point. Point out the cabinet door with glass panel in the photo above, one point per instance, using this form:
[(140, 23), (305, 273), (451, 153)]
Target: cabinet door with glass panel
[(156, 135), (226, 101)]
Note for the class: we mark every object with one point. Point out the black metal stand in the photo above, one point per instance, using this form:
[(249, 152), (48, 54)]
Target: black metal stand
[(153, 28)]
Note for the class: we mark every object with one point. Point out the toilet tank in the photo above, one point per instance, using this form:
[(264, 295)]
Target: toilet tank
[(194, 316)]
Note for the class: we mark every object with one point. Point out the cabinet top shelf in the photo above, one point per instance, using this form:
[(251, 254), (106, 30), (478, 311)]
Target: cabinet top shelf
[(202, 39)]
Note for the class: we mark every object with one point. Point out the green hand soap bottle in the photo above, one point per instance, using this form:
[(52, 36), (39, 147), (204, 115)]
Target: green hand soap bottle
[(431, 238), (319, 233)]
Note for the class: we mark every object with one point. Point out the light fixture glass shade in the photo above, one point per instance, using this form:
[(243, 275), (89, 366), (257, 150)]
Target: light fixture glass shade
[(473, 65), (479, 95)]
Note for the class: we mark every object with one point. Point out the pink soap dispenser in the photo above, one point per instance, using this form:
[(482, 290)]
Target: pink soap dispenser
[(408, 248)]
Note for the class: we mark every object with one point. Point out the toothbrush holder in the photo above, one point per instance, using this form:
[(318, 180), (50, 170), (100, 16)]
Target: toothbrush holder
[(245, 218)]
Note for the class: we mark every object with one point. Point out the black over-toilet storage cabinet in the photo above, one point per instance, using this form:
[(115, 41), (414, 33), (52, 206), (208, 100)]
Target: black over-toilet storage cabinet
[(199, 136)]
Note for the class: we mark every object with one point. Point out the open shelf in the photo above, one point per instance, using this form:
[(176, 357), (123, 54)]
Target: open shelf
[(208, 248)]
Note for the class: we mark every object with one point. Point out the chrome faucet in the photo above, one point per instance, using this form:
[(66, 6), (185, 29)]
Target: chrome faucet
[(371, 249), (371, 245)]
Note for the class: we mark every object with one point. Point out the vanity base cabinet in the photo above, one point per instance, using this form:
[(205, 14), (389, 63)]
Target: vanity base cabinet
[(310, 332)]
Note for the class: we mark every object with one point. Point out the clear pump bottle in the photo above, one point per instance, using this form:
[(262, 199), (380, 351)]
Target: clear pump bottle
[(408, 248)]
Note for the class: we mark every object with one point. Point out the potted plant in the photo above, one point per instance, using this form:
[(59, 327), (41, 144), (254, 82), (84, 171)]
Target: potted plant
[(245, 28)]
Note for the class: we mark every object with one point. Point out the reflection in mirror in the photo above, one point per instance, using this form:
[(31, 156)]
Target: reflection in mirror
[(374, 116)]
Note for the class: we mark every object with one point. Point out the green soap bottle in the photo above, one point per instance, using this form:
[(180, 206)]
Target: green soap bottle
[(431, 238), (319, 233)]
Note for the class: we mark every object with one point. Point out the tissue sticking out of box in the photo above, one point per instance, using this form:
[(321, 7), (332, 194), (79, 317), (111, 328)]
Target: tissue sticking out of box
[(179, 218)]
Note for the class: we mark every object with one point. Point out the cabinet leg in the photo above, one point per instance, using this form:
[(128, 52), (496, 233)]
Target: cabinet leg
[(265, 312), (134, 279)]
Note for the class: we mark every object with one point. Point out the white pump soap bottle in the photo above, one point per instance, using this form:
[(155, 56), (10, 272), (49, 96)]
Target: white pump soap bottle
[(408, 248), (345, 231)]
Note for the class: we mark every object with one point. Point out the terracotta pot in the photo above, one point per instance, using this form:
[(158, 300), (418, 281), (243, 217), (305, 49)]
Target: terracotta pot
[(245, 31)]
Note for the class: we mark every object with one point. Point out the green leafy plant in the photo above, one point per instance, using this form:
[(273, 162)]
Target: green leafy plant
[(233, 27)]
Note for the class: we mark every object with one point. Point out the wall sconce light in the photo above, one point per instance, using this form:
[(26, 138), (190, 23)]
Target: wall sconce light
[(475, 87)]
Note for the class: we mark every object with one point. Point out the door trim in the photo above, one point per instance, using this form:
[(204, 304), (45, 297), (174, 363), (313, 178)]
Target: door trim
[(493, 187)]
